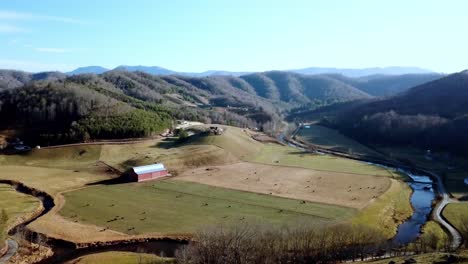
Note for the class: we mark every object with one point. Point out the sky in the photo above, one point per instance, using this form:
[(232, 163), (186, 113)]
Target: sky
[(240, 35)]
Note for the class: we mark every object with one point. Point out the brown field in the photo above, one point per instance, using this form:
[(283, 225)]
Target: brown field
[(350, 190)]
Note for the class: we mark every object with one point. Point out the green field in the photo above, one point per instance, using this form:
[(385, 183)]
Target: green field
[(15, 205), (116, 257), (456, 213), (387, 212), (178, 207), (287, 156), (333, 140)]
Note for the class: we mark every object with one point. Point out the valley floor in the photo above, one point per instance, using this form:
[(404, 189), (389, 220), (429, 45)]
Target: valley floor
[(228, 179)]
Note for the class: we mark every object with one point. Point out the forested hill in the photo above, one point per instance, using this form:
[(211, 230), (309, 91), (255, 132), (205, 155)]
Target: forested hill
[(122, 103), (388, 85), (432, 115)]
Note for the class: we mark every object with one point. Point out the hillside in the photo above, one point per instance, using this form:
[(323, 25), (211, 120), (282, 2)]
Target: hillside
[(432, 115), (387, 85), (13, 79), (301, 89), (363, 72)]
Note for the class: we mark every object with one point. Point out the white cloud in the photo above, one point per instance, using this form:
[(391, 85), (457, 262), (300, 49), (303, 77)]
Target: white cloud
[(13, 15), (52, 50), (34, 66), (10, 29)]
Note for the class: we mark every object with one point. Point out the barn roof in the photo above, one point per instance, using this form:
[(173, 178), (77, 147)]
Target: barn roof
[(149, 168)]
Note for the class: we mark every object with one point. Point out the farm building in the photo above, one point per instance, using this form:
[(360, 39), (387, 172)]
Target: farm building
[(148, 172)]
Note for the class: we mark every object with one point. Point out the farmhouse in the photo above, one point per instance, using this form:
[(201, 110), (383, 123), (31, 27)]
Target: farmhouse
[(148, 172)]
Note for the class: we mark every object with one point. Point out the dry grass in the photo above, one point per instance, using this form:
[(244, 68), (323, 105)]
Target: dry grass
[(332, 139), (50, 180), (350, 190), (389, 210), (116, 257), (16, 206)]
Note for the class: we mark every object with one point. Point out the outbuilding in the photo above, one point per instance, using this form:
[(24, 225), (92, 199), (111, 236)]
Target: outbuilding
[(149, 172)]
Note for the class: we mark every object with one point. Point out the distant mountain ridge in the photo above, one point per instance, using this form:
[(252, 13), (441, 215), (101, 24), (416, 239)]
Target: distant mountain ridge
[(285, 86), (156, 70)]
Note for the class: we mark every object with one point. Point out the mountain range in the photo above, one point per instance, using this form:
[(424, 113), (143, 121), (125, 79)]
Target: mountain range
[(156, 70)]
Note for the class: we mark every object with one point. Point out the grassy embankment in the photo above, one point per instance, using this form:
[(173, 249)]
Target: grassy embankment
[(456, 213), (15, 205), (333, 140), (116, 257)]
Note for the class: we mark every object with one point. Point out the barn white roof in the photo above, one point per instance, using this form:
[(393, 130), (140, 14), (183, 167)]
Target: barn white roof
[(149, 168)]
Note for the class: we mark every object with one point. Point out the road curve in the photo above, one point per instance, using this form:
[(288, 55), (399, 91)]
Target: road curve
[(12, 248), (456, 236)]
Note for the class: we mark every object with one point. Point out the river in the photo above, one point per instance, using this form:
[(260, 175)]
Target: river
[(421, 200)]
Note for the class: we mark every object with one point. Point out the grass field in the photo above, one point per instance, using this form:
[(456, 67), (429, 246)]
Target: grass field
[(179, 207), (287, 156), (389, 210), (350, 190), (333, 140), (16, 205), (116, 257), (455, 213)]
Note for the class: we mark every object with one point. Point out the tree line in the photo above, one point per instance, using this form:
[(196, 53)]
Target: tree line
[(245, 244)]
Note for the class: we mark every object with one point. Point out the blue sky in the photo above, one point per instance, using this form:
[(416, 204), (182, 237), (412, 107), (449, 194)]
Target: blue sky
[(236, 35)]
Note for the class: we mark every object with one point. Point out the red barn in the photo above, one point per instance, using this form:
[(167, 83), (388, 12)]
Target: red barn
[(148, 172)]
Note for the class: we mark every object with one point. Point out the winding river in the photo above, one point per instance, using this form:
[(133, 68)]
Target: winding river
[(421, 199)]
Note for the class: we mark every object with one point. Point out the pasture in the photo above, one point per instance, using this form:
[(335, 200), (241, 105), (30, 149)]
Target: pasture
[(116, 257), (333, 140), (344, 189), (457, 215), (287, 156), (16, 206), (179, 208), (337, 187)]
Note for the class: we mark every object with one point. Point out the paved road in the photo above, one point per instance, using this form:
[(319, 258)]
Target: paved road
[(456, 236), (12, 248)]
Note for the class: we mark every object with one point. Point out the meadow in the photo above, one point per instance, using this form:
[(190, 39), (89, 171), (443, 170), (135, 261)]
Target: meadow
[(179, 208), (333, 140), (16, 206)]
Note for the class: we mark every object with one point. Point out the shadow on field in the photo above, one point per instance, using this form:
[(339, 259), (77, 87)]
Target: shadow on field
[(167, 143), (123, 178)]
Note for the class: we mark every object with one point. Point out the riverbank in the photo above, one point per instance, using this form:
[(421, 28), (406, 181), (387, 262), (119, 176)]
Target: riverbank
[(434, 180)]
